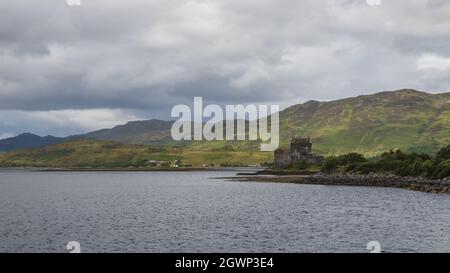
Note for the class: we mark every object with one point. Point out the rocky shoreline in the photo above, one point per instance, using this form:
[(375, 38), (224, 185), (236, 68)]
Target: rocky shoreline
[(375, 180), (391, 181)]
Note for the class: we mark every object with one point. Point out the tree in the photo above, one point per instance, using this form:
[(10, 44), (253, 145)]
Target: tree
[(442, 170), (351, 158), (416, 167), (443, 154), (330, 164), (427, 168)]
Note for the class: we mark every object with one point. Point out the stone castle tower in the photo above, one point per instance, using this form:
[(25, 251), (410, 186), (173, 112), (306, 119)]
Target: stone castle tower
[(300, 151)]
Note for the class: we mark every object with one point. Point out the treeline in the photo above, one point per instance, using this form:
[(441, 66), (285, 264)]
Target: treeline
[(393, 162)]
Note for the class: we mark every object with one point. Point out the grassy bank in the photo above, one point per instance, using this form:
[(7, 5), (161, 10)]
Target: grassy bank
[(113, 155)]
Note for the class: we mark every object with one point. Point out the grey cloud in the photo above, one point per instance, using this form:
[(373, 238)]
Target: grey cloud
[(437, 3), (147, 56)]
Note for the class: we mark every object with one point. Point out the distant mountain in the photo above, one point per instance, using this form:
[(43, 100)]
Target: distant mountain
[(371, 124), (28, 140), (135, 132)]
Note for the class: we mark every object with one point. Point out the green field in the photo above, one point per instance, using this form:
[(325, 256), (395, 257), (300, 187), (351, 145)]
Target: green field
[(103, 154)]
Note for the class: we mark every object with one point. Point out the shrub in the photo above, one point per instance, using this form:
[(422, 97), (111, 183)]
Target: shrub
[(303, 165), (396, 162), (443, 154), (330, 164), (416, 167), (351, 158), (427, 168), (442, 170)]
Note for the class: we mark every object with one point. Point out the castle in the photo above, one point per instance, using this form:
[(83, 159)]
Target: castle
[(300, 151)]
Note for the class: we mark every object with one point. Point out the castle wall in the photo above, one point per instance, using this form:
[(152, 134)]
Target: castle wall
[(300, 151), (282, 158)]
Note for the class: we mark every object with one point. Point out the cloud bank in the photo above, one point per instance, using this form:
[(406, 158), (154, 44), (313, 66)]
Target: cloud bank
[(77, 68)]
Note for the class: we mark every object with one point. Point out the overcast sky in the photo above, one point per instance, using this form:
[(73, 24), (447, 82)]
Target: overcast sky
[(71, 69)]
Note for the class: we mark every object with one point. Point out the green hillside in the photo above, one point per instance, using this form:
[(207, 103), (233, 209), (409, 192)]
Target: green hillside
[(406, 119), (135, 132), (107, 154)]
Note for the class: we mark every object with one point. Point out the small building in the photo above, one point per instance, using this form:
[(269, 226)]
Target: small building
[(156, 163), (175, 164), (299, 151)]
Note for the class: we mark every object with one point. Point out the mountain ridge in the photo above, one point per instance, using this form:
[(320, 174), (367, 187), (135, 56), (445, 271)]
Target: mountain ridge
[(28, 140), (370, 124)]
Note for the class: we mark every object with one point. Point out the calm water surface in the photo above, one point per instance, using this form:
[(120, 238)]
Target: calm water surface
[(189, 212)]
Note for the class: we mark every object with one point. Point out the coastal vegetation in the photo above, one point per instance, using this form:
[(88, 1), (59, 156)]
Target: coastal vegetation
[(395, 162), (392, 169)]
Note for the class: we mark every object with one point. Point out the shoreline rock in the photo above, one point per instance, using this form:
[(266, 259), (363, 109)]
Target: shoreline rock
[(377, 180), (373, 180)]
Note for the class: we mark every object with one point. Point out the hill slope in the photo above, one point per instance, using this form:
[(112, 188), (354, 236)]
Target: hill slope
[(108, 154), (27, 140), (404, 119), (135, 132), (370, 124)]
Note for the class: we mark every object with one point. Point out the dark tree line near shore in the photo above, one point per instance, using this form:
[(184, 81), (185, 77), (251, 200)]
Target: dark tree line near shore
[(393, 162)]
